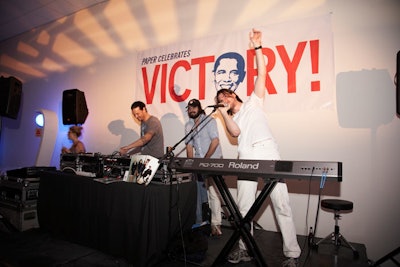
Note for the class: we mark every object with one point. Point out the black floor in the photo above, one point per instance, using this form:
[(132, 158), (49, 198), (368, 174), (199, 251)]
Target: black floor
[(33, 248)]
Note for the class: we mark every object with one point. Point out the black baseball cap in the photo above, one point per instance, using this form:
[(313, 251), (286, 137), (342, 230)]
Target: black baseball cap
[(194, 103)]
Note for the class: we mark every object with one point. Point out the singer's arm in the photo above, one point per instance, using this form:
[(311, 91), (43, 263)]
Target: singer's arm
[(231, 126), (259, 86)]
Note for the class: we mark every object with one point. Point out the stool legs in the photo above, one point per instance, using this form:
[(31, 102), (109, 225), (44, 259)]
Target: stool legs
[(337, 238)]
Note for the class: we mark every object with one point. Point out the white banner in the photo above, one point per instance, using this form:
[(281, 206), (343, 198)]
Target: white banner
[(299, 62)]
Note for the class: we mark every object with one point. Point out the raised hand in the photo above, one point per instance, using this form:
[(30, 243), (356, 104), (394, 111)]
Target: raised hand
[(255, 38)]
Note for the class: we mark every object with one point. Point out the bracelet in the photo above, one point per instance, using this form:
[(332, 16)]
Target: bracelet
[(258, 47)]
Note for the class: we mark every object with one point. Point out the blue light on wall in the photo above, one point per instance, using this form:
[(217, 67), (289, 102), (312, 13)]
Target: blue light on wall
[(39, 120)]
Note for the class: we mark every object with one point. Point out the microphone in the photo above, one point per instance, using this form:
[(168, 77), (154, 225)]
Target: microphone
[(220, 105)]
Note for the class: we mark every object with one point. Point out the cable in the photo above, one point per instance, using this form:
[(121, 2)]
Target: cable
[(180, 222), (177, 206), (321, 186), (69, 168), (312, 232), (309, 239)]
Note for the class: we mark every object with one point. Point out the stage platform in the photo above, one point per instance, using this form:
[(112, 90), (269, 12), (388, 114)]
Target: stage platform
[(37, 248)]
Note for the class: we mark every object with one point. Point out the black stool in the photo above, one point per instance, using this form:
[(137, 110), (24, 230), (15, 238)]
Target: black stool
[(336, 237)]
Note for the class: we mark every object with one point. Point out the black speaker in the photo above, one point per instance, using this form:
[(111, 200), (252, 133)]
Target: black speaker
[(397, 82), (10, 96), (74, 107)]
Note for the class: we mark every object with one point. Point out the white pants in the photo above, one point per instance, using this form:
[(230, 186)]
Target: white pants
[(280, 201), (246, 195), (214, 202)]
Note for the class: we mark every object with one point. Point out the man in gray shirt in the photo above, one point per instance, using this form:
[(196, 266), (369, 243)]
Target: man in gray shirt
[(151, 141)]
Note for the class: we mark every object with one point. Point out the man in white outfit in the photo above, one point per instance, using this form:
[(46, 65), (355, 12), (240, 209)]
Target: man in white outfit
[(248, 122)]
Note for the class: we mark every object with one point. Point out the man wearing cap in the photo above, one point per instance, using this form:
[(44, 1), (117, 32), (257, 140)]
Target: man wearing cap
[(203, 142)]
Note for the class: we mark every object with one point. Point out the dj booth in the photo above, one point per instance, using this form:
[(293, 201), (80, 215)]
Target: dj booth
[(126, 220)]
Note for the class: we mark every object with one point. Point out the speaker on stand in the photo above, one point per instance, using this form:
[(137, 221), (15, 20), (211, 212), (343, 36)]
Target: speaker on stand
[(10, 96), (74, 108)]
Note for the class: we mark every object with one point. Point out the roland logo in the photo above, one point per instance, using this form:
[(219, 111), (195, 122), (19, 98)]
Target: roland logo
[(241, 165)]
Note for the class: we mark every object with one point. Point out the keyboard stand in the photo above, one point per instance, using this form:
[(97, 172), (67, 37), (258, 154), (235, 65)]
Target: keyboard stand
[(242, 225)]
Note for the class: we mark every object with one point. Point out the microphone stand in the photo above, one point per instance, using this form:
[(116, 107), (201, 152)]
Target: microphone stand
[(166, 161)]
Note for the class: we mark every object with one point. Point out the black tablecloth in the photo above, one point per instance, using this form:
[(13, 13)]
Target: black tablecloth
[(123, 219)]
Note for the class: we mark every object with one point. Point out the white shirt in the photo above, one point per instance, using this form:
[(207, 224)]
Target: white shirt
[(255, 140)]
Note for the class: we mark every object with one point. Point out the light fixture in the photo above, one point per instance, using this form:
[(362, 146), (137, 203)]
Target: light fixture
[(39, 119)]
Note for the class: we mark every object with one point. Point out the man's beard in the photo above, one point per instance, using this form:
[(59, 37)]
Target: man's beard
[(194, 116)]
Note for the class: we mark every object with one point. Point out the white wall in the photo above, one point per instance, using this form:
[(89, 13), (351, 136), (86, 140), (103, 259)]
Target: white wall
[(94, 50)]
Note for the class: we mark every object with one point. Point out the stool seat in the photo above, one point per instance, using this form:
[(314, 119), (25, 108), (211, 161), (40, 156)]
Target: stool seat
[(337, 204), (336, 237)]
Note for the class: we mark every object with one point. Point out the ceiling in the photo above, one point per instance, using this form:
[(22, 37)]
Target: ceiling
[(19, 16)]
